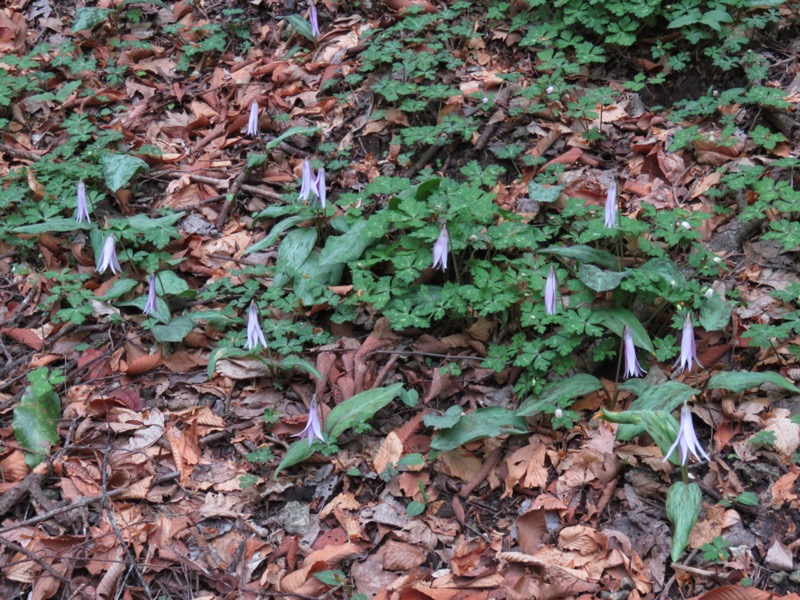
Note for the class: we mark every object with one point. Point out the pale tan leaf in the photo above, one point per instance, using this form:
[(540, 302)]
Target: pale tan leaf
[(390, 451), (399, 556), (531, 529)]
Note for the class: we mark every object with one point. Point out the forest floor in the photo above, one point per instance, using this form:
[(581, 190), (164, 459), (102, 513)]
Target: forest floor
[(160, 477)]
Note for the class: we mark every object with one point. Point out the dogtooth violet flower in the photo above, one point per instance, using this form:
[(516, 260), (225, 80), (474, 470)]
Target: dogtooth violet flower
[(108, 257), (255, 334), (308, 184), (688, 347), (632, 366), (150, 306), (252, 122), (611, 205), (550, 292), (83, 208), (440, 249), (322, 193), (312, 17), (313, 427), (686, 441)]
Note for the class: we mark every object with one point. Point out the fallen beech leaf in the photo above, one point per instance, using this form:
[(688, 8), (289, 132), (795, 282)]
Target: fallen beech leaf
[(390, 451)]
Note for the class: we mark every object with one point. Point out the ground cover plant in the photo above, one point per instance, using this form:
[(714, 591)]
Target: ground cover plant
[(399, 300)]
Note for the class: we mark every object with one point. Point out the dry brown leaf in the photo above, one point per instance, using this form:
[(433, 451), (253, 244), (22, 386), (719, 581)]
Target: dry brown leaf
[(399, 556), (734, 592), (526, 468), (531, 530), (460, 463), (390, 451), (787, 434)]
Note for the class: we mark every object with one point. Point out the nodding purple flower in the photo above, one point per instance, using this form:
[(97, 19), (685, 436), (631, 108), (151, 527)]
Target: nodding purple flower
[(611, 205), (688, 347), (687, 440), (255, 334), (308, 184), (312, 17), (313, 427), (108, 257), (550, 292), (150, 306), (319, 183), (632, 366), (83, 208), (252, 122), (440, 249)]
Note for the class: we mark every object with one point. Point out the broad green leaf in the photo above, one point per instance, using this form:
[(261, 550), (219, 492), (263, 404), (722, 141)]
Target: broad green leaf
[(445, 421), (158, 3), (556, 392), (312, 274), (300, 25), (660, 425), (544, 193), (745, 380), (350, 246), (279, 210), (168, 283), (256, 160), (492, 421), (426, 188), (35, 421), (665, 396), (297, 453), (119, 169), (217, 318), (291, 361), (331, 578), (292, 253), (359, 409), (54, 225), (221, 352), (146, 224), (666, 270), (584, 254), (308, 131), (599, 280), (275, 233), (175, 331), (415, 508), (683, 508), (692, 17), (119, 287), (89, 17), (615, 319), (715, 313)]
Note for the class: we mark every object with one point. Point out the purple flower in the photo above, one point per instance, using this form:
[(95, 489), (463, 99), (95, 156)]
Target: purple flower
[(108, 257), (611, 204), (254, 332), (550, 292), (319, 183), (687, 440), (688, 348), (83, 208), (252, 122), (308, 184), (151, 295), (312, 17), (440, 249), (313, 427), (632, 367)]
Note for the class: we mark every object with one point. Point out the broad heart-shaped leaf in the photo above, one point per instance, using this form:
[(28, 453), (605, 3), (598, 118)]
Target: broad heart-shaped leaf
[(89, 17), (665, 396), (660, 425), (276, 232), (481, 423), (445, 421), (666, 270), (584, 254), (174, 331), (359, 409), (542, 193), (683, 508), (615, 319), (308, 131), (119, 287), (292, 253), (35, 421), (54, 225), (313, 274), (291, 361), (350, 246), (297, 453), (168, 283), (119, 169), (599, 280), (744, 380), (556, 392), (715, 313)]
